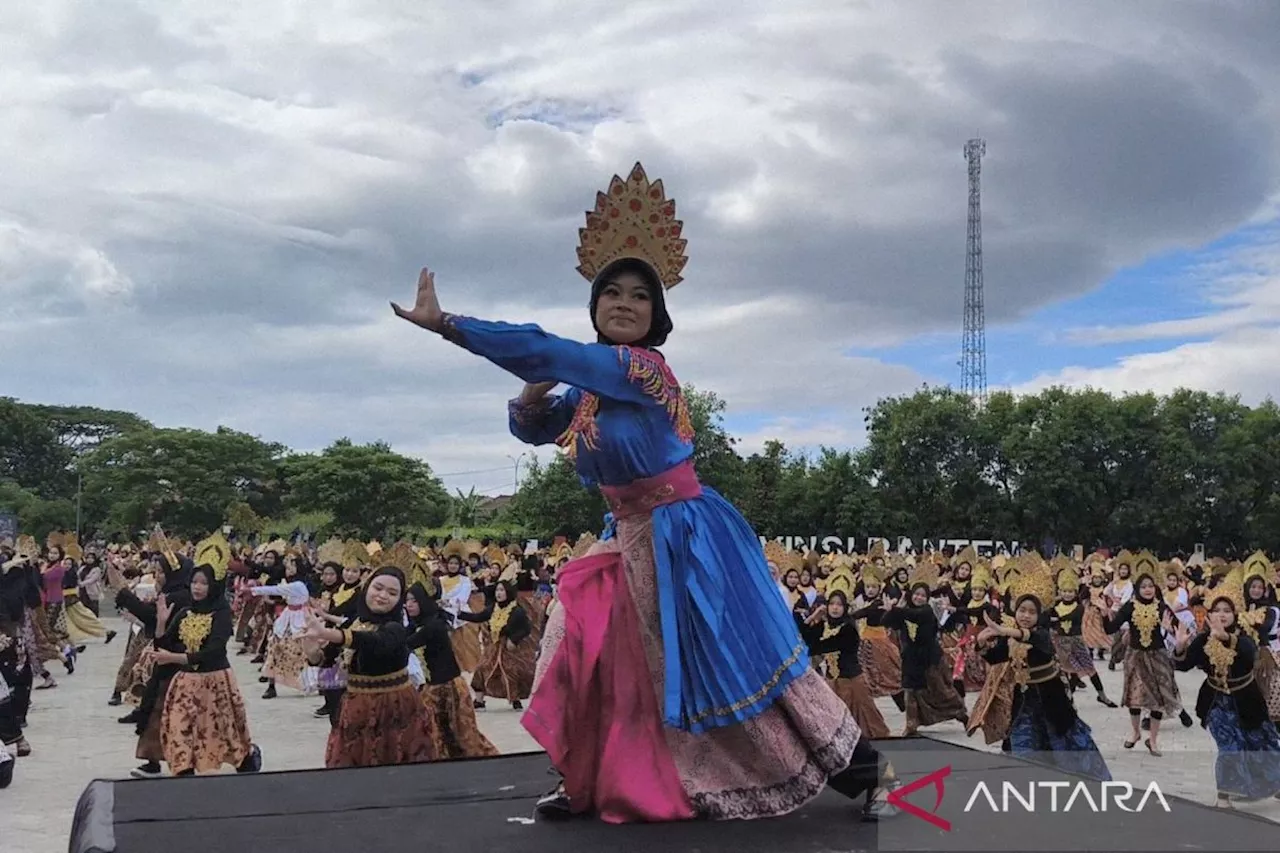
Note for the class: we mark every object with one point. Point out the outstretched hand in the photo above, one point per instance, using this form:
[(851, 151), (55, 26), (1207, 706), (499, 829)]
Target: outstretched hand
[(426, 307)]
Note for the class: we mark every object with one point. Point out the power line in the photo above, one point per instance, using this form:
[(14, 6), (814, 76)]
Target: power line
[(478, 471)]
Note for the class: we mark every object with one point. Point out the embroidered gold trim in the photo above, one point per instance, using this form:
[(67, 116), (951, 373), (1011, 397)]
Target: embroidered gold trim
[(1146, 618), (1221, 656), (498, 621), (754, 697), (194, 630)]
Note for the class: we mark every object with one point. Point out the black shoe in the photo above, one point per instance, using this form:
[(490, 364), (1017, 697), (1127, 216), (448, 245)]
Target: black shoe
[(271, 693), (258, 659), (115, 700), (554, 805), (80, 649), (1185, 719), (517, 705), (878, 808), (6, 770), (320, 713), (253, 763), (111, 635), (262, 679), (131, 717), (150, 770), (70, 663)]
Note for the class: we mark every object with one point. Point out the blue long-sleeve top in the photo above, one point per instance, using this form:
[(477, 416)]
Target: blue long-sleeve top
[(622, 418)]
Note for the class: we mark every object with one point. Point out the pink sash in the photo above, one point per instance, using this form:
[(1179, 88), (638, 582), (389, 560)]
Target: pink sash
[(595, 712)]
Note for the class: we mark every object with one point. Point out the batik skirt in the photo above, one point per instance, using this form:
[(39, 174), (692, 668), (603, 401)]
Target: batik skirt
[(881, 661), (1248, 762), (857, 697), (1073, 751), (937, 701), (382, 721), (505, 672), (1073, 655), (1149, 682), (456, 731), (204, 724)]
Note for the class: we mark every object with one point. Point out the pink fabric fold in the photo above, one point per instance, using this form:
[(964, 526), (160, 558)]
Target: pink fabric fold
[(595, 712)]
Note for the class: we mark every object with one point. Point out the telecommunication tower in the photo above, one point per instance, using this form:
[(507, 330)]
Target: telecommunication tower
[(973, 355)]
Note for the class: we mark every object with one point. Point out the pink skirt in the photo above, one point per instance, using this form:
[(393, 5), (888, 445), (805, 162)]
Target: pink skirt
[(602, 726)]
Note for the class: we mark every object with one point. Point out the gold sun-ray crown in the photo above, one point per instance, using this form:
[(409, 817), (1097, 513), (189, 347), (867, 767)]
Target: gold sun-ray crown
[(1256, 566), (583, 545), (330, 552), (214, 552), (634, 219), (1035, 579), (1145, 563)]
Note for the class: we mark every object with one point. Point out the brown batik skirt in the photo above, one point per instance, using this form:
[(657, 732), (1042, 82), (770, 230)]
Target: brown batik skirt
[(506, 673), (204, 724), (1267, 673), (1149, 683), (138, 641), (856, 695), (285, 660), (881, 662), (456, 731), (465, 641), (140, 676), (1073, 655), (937, 702), (1094, 629), (993, 711), (383, 721)]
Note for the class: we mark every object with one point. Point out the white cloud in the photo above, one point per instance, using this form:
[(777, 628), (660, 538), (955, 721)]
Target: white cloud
[(212, 203)]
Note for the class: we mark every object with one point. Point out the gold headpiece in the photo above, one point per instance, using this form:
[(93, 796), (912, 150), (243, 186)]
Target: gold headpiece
[(27, 547), (1036, 580), (981, 577), (1173, 567), (474, 548), (1068, 581), (455, 548), (968, 555), (1256, 566), (927, 573), (402, 556), (1125, 558), (876, 550), (214, 552), (354, 554), (71, 547), (583, 545), (1232, 590), (774, 552), (634, 220), (374, 548), (1145, 564), (330, 552), (841, 580), (494, 555), (871, 573)]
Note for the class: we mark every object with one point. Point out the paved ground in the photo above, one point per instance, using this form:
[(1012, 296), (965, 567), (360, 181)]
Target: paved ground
[(75, 739)]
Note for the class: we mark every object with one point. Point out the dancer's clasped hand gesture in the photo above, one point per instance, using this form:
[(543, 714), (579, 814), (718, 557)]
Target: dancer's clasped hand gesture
[(426, 306)]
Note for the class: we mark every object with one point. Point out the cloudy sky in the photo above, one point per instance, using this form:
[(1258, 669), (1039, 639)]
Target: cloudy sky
[(205, 207)]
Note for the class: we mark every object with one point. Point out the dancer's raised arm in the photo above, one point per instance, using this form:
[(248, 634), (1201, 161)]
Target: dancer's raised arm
[(534, 355)]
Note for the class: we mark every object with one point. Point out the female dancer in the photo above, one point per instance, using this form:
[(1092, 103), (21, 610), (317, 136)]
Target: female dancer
[(832, 636), (926, 678), (734, 723), (446, 695), (381, 721), (203, 725), (1149, 684), (506, 670), (1231, 704), (1043, 721)]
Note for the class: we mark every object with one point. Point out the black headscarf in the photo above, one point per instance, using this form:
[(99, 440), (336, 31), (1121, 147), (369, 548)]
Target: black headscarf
[(216, 599), (426, 607), (511, 594), (660, 325), (396, 614)]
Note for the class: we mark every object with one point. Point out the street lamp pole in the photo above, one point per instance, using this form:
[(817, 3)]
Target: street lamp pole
[(79, 492), (516, 460)]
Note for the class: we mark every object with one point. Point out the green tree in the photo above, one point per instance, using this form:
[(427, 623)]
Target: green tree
[(714, 455), (30, 453), (82, 428), (552, 501), (182, 479), (36, 515), (464, 509), (370, 490)]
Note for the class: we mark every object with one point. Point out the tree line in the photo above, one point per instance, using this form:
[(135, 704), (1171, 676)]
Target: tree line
[(1068, 466)]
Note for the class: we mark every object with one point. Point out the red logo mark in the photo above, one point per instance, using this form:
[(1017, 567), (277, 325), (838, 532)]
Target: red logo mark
[(898, 798)]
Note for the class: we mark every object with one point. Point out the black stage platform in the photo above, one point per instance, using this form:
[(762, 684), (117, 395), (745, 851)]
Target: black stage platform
[(486, 805)]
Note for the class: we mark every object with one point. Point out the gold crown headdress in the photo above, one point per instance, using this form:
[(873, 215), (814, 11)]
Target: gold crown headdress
[(583, 545), (981, 578), (1146, 565), (330, 552), (926, 572), (454, 548), (876, 550), (968, 555), (1173, 567), (354, 554), (1255, 567), (634, 219), (1068, 580), (1036, 579), (26, 547), (1232, 590), (214, 552), (871, 573), (841, 580), (774, 552), (495, 555)]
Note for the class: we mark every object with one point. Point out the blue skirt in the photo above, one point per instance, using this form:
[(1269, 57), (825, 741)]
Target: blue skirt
[(730, 642), (1248, 763), (1073, 752)]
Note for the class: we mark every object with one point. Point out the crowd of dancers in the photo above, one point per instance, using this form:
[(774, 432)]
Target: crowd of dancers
[(383, 639)]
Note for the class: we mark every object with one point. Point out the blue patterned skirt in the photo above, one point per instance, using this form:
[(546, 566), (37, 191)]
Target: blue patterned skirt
[(1248, 763), (1031, 738)]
